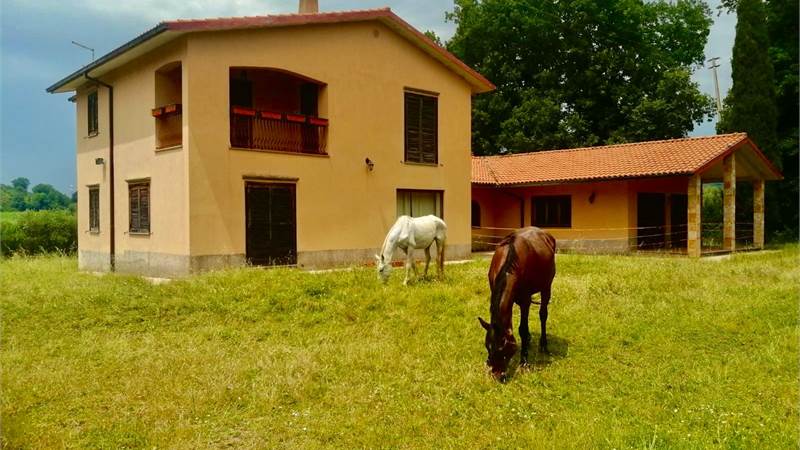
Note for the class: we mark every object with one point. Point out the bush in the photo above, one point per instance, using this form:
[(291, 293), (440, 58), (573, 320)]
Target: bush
[(39, 232)]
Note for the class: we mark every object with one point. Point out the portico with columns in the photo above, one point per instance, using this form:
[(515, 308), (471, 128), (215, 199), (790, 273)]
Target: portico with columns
[(741, 163)]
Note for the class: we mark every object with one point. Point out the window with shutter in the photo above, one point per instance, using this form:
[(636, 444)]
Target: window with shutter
[(139, 210), (94, 208), (421, 128), (92, 113)]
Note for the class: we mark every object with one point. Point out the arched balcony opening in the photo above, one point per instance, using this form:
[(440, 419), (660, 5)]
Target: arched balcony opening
[(276, 110)]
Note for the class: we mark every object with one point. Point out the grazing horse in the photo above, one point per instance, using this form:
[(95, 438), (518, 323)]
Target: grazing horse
[(410, 233), (523, 264)]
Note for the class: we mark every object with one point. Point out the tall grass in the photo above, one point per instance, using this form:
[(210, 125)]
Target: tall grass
[(646, 352)]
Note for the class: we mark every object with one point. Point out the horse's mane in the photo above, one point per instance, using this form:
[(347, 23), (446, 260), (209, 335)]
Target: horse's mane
[(499, 286)]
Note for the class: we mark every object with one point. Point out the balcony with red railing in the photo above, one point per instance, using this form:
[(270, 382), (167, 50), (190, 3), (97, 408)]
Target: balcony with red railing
[(276, 110), (278, 131)]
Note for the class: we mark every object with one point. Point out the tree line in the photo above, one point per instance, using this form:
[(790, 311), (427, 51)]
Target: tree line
[(17, 197)]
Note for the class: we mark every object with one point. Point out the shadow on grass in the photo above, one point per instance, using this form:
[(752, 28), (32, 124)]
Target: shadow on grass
[(558, 348)]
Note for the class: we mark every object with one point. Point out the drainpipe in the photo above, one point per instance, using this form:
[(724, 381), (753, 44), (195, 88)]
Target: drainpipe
[(112, 249)]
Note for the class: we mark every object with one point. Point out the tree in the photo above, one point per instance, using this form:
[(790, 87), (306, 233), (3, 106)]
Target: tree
[(581, 72), (750, 104), (767, 37), (45, 196), (784, 34), (21, 184)]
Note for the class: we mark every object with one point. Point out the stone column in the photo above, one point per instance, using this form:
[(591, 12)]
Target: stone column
[(758, 214), (729, 202), (693, 245)]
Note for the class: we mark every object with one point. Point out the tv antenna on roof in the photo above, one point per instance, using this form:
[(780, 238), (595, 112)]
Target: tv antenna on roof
[(85, 47)]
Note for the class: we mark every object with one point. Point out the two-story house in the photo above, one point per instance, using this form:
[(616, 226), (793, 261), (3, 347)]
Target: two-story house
[(282, 139)]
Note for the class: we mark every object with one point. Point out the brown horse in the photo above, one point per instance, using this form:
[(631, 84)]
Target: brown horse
[(523, 264)]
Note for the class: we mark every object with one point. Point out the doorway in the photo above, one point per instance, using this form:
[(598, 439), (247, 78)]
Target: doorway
[(650, 220), (271, 235)]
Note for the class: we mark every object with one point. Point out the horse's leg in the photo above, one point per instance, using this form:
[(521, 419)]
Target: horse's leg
[(440, 259), (543, 319), (524, 332), (427, 260), (409, 265)]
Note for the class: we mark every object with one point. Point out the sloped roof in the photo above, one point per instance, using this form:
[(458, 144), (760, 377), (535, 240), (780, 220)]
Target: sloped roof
[(169, 30), (641, 159)]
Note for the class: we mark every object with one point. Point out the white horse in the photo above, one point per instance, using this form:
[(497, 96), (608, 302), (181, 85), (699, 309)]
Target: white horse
[(410, 233)]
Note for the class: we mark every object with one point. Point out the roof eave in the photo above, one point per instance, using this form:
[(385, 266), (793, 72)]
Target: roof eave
[(61, 85)]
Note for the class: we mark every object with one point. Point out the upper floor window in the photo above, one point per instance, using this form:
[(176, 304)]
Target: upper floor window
[(552, 211), (92, 113), (94, 208), (139, 207), (421, 128)]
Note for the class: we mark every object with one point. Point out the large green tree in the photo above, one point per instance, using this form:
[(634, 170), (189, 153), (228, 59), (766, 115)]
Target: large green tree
[(582, 72), (764, 98), (750, 104)]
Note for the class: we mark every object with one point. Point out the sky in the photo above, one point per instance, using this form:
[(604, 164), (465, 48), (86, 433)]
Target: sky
[(37, 129)]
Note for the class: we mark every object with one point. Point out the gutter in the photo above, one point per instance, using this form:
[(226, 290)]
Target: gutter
[(112, 246), (147, 35)]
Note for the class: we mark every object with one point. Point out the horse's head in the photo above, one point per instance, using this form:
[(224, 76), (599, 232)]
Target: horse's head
[(500, 346), (384, 268)]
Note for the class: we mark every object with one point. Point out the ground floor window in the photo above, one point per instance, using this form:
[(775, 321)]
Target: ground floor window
[(552, 211), (418, 203), (476, 214), (94, 208), (139, 206)]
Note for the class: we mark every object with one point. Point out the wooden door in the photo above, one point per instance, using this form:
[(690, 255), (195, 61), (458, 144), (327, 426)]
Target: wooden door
[(651, 220), (270, 224), (679, 215)]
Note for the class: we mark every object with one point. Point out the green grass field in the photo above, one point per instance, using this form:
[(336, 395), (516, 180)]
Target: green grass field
[(646, 352)]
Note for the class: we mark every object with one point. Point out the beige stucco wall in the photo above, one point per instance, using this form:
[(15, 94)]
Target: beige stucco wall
[(197, 190), (608, 223), (341, 206), (135, 158)]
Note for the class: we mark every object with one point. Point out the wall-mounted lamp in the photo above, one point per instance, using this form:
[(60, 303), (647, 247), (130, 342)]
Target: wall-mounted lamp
[(99, 161), (370, 164), (592, 196)]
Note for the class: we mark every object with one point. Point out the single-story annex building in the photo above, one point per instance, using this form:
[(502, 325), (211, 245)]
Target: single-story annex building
[(618, 198), (280, 139)]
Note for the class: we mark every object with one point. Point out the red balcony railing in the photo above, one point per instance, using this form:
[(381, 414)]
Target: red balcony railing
[(285, 132)]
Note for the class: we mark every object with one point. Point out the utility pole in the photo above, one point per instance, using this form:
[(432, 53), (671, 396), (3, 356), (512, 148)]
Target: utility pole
[(85, 47), (714, 64)]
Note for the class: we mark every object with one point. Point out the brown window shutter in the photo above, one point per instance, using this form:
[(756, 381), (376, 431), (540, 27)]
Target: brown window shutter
[(134, 208), (144, 208), (421, 128), (94, 209), (429, 129)]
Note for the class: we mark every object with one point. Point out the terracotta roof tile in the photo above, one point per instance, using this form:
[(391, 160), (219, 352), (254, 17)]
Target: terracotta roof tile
[(642, 159)]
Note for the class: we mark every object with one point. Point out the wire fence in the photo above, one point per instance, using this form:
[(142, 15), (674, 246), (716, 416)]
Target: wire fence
[(638, 238)]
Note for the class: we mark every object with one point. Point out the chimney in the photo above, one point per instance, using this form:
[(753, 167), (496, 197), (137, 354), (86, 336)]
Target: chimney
[(309, 6)]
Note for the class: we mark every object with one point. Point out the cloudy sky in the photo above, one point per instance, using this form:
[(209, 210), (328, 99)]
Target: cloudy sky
[(37, 130)]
